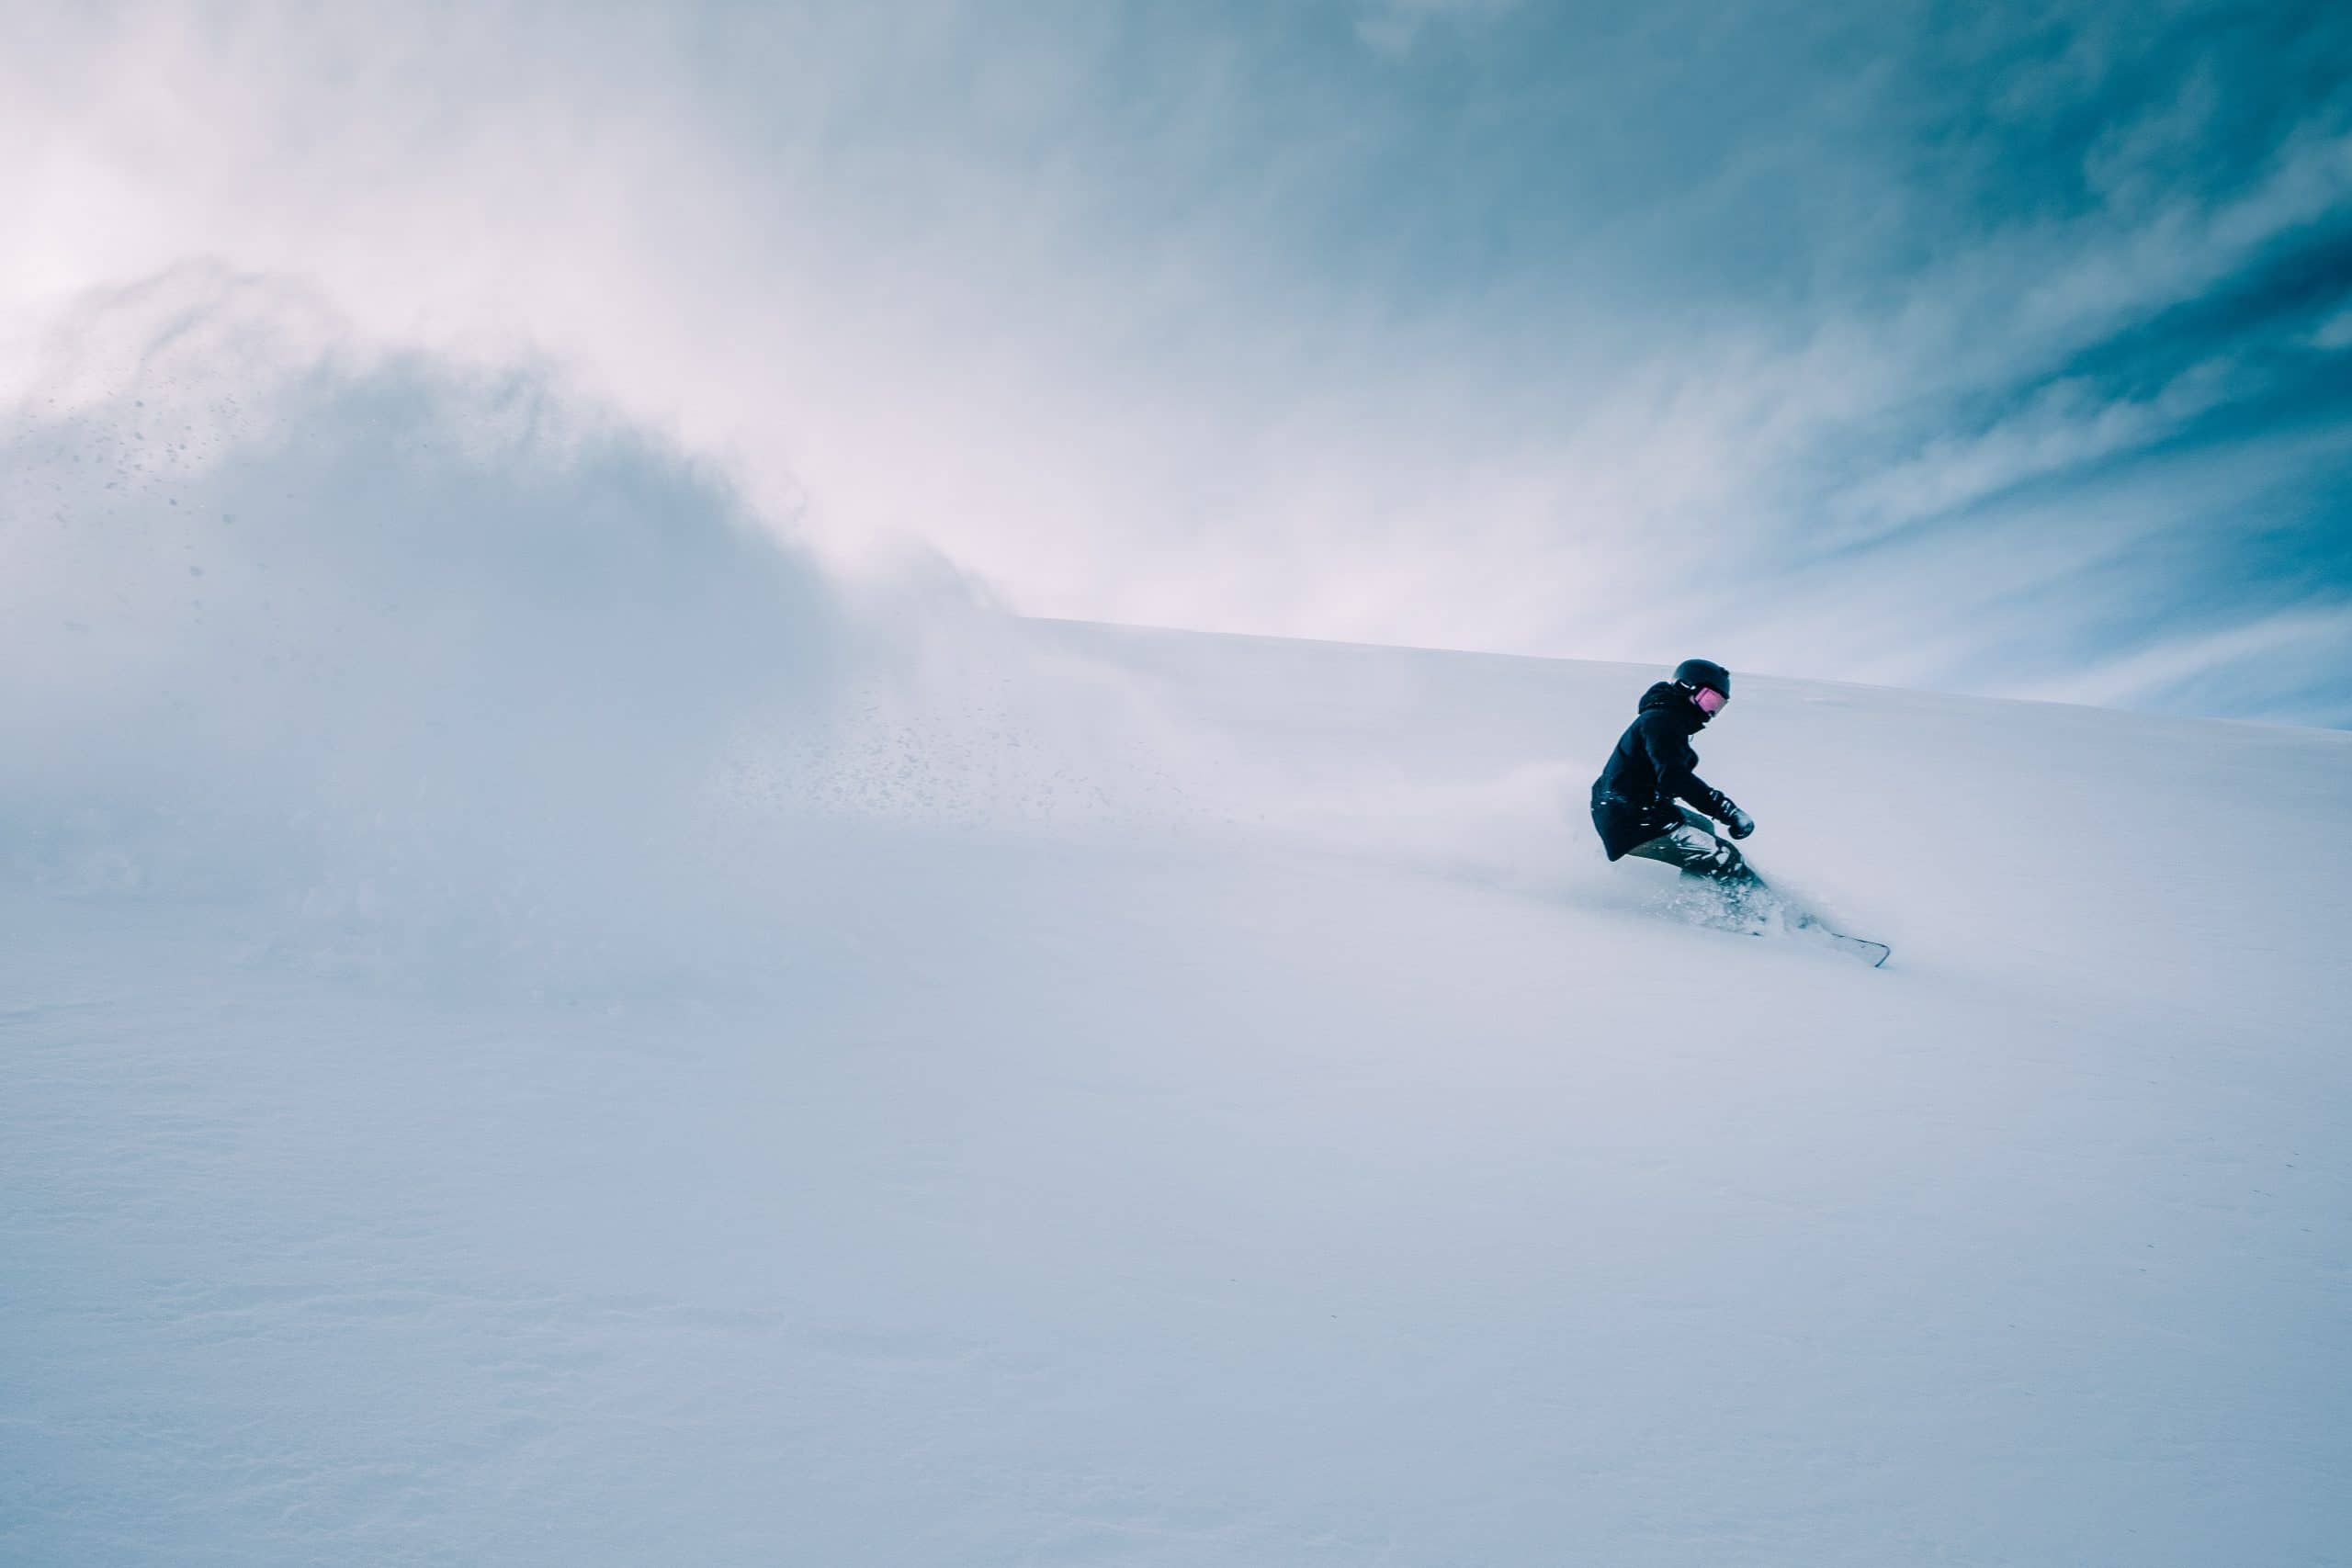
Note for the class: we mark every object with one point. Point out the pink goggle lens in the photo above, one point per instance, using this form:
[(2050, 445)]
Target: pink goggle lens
[(1711, 702)]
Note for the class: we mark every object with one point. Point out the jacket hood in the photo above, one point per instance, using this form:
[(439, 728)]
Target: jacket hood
[(1675, 700)]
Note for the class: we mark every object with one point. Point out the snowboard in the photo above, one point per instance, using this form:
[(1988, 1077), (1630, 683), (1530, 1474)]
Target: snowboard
[(1874, 954), (1763, 910)]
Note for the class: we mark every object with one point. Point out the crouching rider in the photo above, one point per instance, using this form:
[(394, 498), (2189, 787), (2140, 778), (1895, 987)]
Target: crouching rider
[(1637, 800)]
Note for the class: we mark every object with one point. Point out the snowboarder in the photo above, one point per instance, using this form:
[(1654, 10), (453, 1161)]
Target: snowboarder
[(1638, 806), (1637, 801)]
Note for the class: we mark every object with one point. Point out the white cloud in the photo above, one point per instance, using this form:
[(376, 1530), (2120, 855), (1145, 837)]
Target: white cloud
[(2064, 426), (1393, 27), (2258, 647)]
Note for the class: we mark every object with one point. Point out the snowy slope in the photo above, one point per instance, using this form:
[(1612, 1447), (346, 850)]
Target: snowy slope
[(555, 1038)]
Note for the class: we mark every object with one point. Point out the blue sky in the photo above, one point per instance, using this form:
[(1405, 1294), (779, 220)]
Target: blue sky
[(1996, 348)]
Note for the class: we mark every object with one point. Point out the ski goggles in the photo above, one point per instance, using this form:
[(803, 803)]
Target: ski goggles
[(1711, 702)]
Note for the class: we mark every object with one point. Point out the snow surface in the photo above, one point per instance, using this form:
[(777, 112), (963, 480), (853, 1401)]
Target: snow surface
[(536, 1028)]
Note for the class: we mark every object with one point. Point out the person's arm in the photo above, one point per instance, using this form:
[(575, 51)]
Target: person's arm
[(1662, 739)]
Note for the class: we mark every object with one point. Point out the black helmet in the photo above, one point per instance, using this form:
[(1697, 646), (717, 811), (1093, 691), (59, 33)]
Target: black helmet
[(1697, 672)]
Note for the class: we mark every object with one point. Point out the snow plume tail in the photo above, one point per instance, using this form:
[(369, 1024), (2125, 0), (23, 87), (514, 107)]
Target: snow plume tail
[(452, 675), (434, 663)]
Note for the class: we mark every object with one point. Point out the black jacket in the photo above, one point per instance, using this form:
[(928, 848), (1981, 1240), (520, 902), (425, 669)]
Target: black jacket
[(1633, 800)]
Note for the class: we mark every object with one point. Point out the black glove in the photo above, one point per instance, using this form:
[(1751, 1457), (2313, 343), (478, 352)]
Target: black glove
[(1740, 823)]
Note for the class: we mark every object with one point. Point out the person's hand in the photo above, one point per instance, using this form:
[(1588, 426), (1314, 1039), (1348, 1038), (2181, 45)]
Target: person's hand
[(1740, 823)]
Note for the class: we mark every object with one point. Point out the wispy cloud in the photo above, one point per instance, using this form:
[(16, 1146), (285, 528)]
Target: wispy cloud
[(2063, 425), (1393, 27), (2266, 652)]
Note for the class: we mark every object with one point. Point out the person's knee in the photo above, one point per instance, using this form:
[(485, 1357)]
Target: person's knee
[(1725, 863), (1696, 853)]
